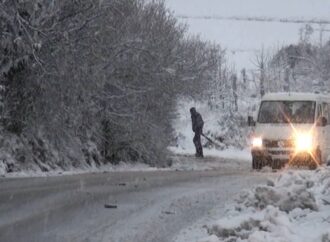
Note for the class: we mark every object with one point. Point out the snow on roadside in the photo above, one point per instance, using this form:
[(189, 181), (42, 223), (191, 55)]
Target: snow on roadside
[(121, 167), (183, 160), (293, 208), (230, 153)]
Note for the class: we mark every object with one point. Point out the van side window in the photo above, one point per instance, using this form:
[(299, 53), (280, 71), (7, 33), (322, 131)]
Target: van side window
[(319, 112), (326, 111)]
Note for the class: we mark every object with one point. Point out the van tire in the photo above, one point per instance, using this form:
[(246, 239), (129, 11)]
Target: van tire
[(312, 166), (277, 164), (318, 157), (256, 163)]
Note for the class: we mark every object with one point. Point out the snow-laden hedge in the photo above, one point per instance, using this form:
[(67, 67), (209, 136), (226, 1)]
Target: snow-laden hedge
[(294, 208), (116, 89), (21, 154)]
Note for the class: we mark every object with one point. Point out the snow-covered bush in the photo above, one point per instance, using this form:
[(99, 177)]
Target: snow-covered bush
[(101, 72), (19, 154)]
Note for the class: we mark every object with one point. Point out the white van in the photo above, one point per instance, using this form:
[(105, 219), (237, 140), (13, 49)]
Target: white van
[(291, 128)]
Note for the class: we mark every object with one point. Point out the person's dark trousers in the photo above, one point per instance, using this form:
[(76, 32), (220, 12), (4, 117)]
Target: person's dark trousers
[(198, 144)]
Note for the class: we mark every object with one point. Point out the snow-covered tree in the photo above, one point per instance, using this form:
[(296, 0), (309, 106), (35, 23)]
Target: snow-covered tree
[(103, 72)]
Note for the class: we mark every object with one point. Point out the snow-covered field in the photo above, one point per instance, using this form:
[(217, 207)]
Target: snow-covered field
[(295, 207)]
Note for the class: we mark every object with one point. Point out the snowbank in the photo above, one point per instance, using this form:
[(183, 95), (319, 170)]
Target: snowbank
[(219, 160), (294, 208), (231, 153), (121, 167), (231, 159)]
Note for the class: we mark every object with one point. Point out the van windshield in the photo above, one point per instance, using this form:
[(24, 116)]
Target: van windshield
[(287, 112)]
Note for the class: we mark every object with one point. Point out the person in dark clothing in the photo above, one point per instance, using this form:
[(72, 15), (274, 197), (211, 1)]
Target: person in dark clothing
[(197, 127)]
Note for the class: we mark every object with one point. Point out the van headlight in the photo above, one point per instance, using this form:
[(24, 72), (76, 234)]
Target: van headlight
[(303, 142), (257, 142)]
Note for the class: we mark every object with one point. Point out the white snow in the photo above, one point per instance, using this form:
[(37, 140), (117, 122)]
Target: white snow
[(295, 207), (183, 160), (2, 168), (121, 167), (231, 153), (294, 96)]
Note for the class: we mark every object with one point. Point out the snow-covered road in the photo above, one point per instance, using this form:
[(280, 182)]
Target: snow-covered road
[(151, 205)]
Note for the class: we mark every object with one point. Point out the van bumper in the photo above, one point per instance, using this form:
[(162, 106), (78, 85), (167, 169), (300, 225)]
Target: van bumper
[(274, 154), (278, 158)]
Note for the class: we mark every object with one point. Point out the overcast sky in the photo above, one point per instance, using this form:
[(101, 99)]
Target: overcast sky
[(273, 8), (243, 38)]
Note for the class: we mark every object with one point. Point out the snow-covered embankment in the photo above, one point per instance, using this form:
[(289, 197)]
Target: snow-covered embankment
[(295, 207)]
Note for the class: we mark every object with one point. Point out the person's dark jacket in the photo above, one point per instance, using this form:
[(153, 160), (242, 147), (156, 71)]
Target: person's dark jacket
[(197, 122)]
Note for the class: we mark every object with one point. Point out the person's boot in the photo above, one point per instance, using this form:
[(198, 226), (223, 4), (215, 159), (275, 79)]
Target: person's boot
[(197, 153), (200, 152)]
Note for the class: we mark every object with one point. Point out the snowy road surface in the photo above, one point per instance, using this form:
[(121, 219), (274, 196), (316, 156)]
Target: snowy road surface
[(148, 206)]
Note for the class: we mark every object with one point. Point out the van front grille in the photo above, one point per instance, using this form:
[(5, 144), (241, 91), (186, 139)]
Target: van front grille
[(280, 152), (278, 143)]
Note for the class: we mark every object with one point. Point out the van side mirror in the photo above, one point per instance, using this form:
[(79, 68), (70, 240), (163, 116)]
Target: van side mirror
[(251, 121), (322, 122)]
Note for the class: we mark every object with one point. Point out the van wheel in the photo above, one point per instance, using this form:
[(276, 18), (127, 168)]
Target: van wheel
[(318, 156), (312, 166), (276, 164), (256, 163)]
